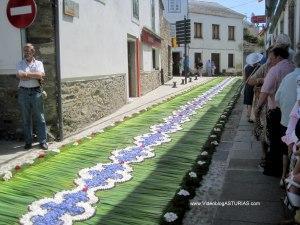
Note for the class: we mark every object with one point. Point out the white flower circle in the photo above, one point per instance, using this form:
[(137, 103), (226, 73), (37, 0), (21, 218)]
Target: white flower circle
[(193, 174), (204, 153), (183, 192), (214, 143), (170, 217), (201, 163), (7, 176)]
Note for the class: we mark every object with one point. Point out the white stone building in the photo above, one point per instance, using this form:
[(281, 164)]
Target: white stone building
[(97, 54), (216, 34)]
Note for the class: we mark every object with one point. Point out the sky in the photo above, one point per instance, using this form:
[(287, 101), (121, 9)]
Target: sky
[(246, 7)]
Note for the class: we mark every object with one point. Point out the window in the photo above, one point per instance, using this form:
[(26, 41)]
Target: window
[(152, 15), (231, 33), (135, 10), (155, 59), (174, 6), (215, 31), (197, 30), (230, 61)]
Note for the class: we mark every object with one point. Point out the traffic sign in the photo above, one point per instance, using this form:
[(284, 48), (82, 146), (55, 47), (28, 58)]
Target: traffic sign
[(21, 14)]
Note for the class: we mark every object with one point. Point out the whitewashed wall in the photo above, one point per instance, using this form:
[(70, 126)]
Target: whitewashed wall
[(147, 58), (10, 43), (96, 43)]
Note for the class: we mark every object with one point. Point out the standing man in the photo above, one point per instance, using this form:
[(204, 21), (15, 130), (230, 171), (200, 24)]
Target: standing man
[(30, 71)]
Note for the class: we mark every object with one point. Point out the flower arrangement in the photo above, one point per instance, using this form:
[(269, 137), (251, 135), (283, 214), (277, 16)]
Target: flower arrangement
[(105, 176)]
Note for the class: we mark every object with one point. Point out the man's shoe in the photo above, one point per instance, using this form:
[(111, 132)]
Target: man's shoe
[(28, 146), (44, 146)]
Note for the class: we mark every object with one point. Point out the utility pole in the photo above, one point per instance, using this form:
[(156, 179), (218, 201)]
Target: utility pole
[(185, 52)]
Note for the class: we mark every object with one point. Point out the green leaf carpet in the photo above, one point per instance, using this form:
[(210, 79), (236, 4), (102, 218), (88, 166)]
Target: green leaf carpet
[(140, 200)]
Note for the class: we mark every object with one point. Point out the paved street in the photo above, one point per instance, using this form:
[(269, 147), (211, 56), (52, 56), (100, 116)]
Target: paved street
[(234, 175)]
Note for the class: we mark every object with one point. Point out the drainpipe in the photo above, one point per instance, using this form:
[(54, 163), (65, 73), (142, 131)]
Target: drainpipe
[(58, 70)]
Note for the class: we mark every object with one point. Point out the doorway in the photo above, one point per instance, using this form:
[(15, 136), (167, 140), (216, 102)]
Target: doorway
[(215, 57), (176, 63), (132, 76), (197, 59)]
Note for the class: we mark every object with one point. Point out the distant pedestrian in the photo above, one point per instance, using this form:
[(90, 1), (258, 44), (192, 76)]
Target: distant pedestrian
[(213, 68), (30, 71), (199, 67), (208, 68)]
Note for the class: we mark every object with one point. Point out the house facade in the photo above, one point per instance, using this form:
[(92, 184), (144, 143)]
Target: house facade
[(282, 18), (96, 54), (216, 34)]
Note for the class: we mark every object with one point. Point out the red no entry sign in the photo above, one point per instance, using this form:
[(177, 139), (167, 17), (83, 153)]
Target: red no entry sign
[(22, 13)]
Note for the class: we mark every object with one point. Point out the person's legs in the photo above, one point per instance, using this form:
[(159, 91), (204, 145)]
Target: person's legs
[(274, 159), (24, 102), (38, 110), (284, 150), (249, 108)]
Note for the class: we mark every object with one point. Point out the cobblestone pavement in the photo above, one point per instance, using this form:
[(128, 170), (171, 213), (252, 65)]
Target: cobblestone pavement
[(235, 178)]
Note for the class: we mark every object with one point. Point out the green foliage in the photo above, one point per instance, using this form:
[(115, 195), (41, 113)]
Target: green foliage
[(249, 37)]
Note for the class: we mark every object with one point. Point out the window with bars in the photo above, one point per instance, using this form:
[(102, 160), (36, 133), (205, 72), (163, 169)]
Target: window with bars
[(216, 31), (231, 33), (197, 30)]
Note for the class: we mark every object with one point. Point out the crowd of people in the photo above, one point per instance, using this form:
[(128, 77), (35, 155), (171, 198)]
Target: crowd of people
[(272, 98)]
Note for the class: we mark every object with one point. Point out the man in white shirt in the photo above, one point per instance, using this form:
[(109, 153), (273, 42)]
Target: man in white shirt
[(30, 71)]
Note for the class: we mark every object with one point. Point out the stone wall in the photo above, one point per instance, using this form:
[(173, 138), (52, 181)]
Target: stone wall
[(42, 35), (150, 81), (10, 119), (86, 101), (166, 52)]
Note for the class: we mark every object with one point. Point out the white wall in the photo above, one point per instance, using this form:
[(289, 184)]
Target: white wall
[(10, 43), (96, 42), (147, 58), (207, 45)]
